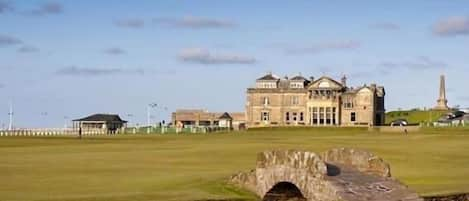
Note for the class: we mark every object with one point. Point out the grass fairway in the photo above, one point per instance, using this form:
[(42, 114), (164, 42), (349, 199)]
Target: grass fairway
[(193, 167)]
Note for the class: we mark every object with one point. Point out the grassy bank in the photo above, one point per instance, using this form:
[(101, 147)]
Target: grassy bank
[(414, 116), (194, 166)]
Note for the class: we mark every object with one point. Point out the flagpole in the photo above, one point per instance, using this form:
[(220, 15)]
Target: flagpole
[(10, 125)]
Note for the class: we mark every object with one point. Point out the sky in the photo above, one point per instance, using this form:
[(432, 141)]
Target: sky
[(62, 60)]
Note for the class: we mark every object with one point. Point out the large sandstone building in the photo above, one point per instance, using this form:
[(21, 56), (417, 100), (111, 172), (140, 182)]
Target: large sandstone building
[(313, 102)]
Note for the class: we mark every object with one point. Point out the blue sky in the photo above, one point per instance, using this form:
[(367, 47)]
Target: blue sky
[(61, 60)]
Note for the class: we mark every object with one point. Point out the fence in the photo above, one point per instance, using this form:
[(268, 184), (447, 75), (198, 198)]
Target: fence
[(165, 130), (131, 130), (52, 132)]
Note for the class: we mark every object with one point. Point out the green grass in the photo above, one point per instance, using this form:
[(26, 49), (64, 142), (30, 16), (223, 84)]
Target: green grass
[(195, 166), (413, 116)]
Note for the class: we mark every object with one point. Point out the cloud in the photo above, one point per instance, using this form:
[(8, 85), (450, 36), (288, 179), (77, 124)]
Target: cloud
[(8, 40), (47, 8), (79, 71), (385, 26), (130, 23), (194, 23), (322, 47), (452, 26), (28, 49), (202, 56), (115, 51), (419, 63), (6, 6)]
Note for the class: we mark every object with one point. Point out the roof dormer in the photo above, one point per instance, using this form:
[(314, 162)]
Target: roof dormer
[(298, 82), (268, 81)]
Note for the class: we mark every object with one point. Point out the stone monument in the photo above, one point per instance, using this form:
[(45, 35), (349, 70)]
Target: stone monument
[(442, 102)]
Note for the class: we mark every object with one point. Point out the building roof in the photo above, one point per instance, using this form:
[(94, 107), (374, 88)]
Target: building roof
[(225, 116), (269, 77), (327, 78), (102, 117), (299, 78)]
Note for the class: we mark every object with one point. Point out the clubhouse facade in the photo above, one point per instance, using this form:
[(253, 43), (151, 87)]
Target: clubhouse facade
[(276, 101), (298, 101)]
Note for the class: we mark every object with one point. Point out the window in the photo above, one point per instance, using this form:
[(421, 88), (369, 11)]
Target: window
[(321, 115), (334, 121), (348, 104), (287, 116), (328, 115), (295, 100), (265, 116), (294, 116), (353, 116), (301, 116), (265, 101), (315, 115)]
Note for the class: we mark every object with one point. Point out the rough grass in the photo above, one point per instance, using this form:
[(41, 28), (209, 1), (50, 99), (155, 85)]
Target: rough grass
[(414, 117), (194, 166)]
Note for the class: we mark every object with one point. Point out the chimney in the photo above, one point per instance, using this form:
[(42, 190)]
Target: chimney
[(344, 81), (312, 78)]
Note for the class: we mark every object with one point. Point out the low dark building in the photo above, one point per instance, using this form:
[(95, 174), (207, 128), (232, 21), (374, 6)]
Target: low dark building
[(110, 123), (225, 121)]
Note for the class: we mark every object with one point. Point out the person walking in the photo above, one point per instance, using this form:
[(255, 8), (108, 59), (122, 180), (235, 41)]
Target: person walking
[(79, 132)]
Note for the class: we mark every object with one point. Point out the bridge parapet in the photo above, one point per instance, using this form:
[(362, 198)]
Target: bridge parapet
[(335, 175), (362, 160)]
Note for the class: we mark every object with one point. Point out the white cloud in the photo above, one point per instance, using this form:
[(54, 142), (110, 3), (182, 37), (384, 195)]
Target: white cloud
[(130, 23), (28, 49), (419, 63), (194, 22), (323, 47), (9, 40), (115, 51), (5, 6), (80, 71), (202, 56), (48, 8), (452, 26)]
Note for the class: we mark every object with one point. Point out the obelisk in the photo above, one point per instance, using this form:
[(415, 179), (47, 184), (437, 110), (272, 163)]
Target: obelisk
[(442, 102)]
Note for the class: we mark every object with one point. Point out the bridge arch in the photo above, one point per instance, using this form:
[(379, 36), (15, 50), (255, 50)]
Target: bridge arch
[(284, 191), (338, 174), (303, 170)]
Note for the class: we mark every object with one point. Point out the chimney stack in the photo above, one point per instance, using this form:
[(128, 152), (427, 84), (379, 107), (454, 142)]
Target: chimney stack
[(344, 81)]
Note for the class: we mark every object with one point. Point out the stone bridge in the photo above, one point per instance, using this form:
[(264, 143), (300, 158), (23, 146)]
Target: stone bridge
[(335, 175)]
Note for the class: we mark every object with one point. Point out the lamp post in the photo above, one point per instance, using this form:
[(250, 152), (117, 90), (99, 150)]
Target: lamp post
[(10, 125), (149, 106)]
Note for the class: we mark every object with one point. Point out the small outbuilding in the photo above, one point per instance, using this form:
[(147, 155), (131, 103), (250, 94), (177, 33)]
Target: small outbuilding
[(225, 121), (110, 123)]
